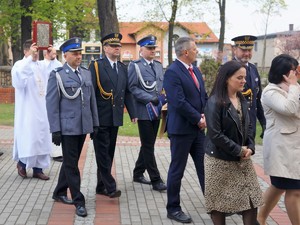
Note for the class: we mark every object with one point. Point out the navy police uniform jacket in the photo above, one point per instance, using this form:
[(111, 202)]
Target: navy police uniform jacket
[(143, 97), (71, 116), (255, 107), (111, 109)]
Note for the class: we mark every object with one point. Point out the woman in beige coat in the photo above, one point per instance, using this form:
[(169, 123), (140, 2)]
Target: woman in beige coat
[(281, 143)]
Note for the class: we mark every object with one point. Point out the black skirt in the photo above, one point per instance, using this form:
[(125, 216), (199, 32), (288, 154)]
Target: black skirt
[(285, 183)]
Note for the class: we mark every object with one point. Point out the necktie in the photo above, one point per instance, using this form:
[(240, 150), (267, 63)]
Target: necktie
[(194, 77), (78, 74), (152, 67), (115, 68)]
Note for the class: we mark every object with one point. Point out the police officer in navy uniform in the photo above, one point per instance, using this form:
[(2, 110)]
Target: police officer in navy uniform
[(243, 46), (110, 82), (72, 113), (145, 83)]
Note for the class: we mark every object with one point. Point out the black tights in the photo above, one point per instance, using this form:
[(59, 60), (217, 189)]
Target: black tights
[(249, 217)]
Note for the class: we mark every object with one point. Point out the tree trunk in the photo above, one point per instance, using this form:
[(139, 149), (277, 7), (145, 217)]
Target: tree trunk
[(222, 6), (26, 21), (107, 15), (171, 30), (4, 53)]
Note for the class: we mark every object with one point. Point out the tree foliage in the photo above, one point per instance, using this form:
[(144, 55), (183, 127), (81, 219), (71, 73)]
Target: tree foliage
[(75, 16), (209, 68)]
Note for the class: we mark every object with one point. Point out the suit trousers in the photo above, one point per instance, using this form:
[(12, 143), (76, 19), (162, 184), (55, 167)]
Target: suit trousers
[(69, 175), (104, 145), (181, 147), (146, 159)]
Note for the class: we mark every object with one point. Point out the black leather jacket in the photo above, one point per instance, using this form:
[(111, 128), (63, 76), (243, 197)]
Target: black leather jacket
[(225, 134)]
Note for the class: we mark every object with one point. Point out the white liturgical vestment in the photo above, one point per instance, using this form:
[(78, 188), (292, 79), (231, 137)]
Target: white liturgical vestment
[(32, 138)]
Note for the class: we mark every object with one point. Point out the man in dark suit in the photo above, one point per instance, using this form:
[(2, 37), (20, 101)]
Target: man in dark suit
[(243, 46), (145, 83), (187, 97), (72, 113), (110, 82)]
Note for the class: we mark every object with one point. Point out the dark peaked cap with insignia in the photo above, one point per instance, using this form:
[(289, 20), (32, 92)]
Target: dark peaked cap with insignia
[(244, 41), (148, 41), (112, 39), (71, 45)]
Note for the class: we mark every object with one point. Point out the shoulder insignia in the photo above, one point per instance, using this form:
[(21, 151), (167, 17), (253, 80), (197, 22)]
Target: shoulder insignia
[(136, 61), (82, 67), (58, 69), (157, 61), (121, 63)]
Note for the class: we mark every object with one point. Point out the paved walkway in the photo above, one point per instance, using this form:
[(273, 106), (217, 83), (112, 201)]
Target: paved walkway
[(28, 201)]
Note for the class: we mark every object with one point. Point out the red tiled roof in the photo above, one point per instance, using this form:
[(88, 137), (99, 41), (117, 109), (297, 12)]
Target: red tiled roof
[(129, 29)]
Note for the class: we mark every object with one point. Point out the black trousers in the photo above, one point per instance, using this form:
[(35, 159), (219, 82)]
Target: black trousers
[(105, 145), (69, 175), (181, 147), (146, 160)]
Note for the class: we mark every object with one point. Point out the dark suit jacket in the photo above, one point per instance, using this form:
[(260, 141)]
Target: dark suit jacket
[(185, 101), (111, 112)]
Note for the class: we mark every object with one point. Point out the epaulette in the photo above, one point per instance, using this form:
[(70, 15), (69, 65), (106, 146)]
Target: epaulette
[(58, 69), (83, 67), (122, 64), (136, 61), (157, 61)]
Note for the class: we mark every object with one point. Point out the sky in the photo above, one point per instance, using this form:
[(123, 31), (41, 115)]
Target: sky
[(240, 18)]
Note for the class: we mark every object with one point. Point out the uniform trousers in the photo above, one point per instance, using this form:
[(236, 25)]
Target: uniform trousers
[(146, 160), (181, 147), (69, 176), (105, 145)]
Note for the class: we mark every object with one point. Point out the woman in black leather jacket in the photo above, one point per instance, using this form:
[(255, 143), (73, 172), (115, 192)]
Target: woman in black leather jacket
[(230, 179)]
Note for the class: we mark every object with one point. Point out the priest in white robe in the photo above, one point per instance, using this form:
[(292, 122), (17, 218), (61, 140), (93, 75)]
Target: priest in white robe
[(32, 138)]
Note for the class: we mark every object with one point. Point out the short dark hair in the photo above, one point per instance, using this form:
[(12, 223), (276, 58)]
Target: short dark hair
[(281, 65), (27, 44), (225, 72)]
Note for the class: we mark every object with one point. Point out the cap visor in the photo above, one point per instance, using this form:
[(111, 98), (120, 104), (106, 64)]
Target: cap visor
[(75, 49)]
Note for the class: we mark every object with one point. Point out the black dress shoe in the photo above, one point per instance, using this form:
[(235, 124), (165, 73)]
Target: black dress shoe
[(159, 186), (102, 192), (179, 216), (1, 153), (58, 158), (64, 199), (141, 180), (115, 194), (81, 211)]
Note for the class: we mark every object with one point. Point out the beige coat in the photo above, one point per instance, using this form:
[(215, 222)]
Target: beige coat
[(281, 143)]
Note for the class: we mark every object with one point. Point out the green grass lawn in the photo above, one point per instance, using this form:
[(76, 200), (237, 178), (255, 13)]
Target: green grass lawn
[(7, 114), (128, 128)]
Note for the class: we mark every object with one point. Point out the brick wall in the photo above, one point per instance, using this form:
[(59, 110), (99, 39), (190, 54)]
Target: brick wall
[(7, 92), (7, 95)]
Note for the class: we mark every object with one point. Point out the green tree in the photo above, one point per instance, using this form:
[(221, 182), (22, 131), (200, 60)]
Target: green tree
[(77, 17), (209, 68)]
